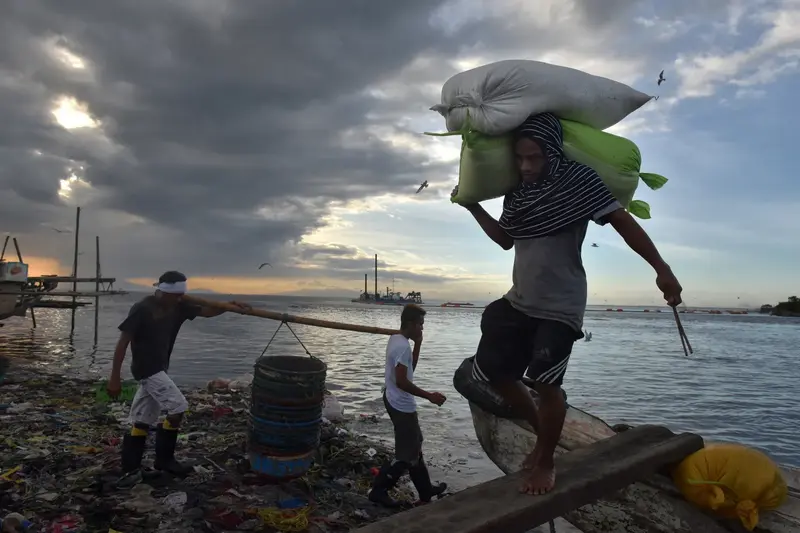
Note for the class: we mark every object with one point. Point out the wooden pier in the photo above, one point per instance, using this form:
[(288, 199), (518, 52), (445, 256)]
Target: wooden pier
[(584, 476), (31, 293)]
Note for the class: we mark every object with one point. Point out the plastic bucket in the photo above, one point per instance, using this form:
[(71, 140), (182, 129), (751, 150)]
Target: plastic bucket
[(287, 397), (290, 380), (280, 468), (287, 437)]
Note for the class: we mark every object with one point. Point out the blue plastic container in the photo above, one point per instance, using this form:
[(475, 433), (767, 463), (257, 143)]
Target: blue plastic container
[(280, 468)]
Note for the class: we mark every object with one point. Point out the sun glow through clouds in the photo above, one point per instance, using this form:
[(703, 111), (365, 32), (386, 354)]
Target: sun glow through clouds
[(72, 114)]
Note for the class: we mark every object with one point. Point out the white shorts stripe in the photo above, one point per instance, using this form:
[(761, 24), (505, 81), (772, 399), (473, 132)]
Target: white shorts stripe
[(477, 373), (551, 375)]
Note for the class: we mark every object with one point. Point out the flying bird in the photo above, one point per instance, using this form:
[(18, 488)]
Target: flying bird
[(57, 230), (594, 245), (661, 78), (422, 186), (263, 265)]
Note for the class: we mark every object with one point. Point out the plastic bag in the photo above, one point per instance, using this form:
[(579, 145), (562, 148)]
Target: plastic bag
[(498, 97), (732, 480)]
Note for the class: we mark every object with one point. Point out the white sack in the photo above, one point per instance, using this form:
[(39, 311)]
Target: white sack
[(500, 96)]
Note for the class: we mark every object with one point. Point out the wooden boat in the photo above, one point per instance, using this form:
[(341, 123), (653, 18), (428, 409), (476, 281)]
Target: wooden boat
[(654, 505)]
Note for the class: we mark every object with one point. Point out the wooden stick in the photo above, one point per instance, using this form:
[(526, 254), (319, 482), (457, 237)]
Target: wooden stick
[(19, 257), (96, 287), (285, 317), (75, 266)]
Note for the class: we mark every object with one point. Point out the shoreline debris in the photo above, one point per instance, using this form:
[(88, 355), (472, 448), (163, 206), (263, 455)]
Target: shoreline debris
[(59, 461)]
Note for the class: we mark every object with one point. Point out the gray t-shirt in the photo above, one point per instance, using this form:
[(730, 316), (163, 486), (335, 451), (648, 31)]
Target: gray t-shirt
[(549, 279)]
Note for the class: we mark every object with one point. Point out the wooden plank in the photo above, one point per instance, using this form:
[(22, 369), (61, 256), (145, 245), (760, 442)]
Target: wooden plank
[(584, 476), (66, 279), (653, 505), (78, 294)]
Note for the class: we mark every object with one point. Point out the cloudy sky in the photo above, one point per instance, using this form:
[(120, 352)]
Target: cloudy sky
[(210, 136)]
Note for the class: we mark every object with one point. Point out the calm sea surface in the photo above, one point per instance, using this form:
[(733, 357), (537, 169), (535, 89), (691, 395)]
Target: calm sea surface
[(741, 384)]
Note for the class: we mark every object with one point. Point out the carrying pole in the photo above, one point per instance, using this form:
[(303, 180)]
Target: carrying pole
[(285, 317)]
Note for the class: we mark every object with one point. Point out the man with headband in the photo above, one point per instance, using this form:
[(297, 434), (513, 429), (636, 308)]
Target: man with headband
[(150, 329), (533, 327)]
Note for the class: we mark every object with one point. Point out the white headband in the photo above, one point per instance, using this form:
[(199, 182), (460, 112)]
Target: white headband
[(179, 287)]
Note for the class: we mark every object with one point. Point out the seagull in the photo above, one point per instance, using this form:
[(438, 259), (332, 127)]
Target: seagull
[(594, 245), (60, 230), (422, 186), (661, 78), (263, 265)]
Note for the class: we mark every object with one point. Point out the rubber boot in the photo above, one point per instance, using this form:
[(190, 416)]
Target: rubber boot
[(4, 364), (385, 481), (132, 453), (166, 439), (422, 482)]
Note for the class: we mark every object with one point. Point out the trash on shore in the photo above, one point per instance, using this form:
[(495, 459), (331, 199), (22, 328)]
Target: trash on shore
[(59, 461)]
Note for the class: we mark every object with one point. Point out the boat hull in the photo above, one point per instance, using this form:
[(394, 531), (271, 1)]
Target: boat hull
[(652, 506), (507, 442)]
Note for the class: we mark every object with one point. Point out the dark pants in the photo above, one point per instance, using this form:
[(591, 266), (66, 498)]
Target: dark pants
[(407, 434), (513, 342)]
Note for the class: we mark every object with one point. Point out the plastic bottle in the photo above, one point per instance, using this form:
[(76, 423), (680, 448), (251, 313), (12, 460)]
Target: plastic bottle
[(16, 521)]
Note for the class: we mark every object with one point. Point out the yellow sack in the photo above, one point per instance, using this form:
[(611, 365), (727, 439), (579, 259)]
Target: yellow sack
[(732, 480)]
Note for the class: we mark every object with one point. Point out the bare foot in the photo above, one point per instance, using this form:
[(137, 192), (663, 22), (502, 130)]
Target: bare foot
[(539, 481)]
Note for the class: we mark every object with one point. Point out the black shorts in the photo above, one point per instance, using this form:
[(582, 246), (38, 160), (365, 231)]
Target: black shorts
[(407, 434), (512, 342)]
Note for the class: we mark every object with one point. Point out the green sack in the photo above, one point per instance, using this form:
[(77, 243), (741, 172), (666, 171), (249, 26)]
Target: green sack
[(483, 157), (488, 170), (616, 160)]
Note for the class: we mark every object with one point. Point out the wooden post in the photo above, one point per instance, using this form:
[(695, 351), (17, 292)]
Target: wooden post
[(19, 253), (96, 287), (75, 266), (19, 258)]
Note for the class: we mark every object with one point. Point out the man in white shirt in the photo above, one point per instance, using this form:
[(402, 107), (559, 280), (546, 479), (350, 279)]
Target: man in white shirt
[(399, 398)]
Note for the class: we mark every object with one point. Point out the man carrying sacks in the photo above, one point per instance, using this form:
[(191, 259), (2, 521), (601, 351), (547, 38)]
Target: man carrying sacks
[(533, 327)]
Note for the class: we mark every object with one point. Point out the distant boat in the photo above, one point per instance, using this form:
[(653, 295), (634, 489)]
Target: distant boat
[(390, 298), (457, 304)]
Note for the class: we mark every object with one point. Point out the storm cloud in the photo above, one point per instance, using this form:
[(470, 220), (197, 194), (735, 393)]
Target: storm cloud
[(222, 131)]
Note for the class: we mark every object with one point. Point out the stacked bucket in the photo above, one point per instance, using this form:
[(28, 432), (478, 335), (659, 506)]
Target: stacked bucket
[(285, 415)]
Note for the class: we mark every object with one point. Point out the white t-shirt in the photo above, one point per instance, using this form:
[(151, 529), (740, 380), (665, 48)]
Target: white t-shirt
[(398, 352)]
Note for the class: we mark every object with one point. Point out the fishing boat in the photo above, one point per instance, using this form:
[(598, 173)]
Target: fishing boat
[(20, 292), (651, 506), (13, 279), (457, 304), (390, 298)]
